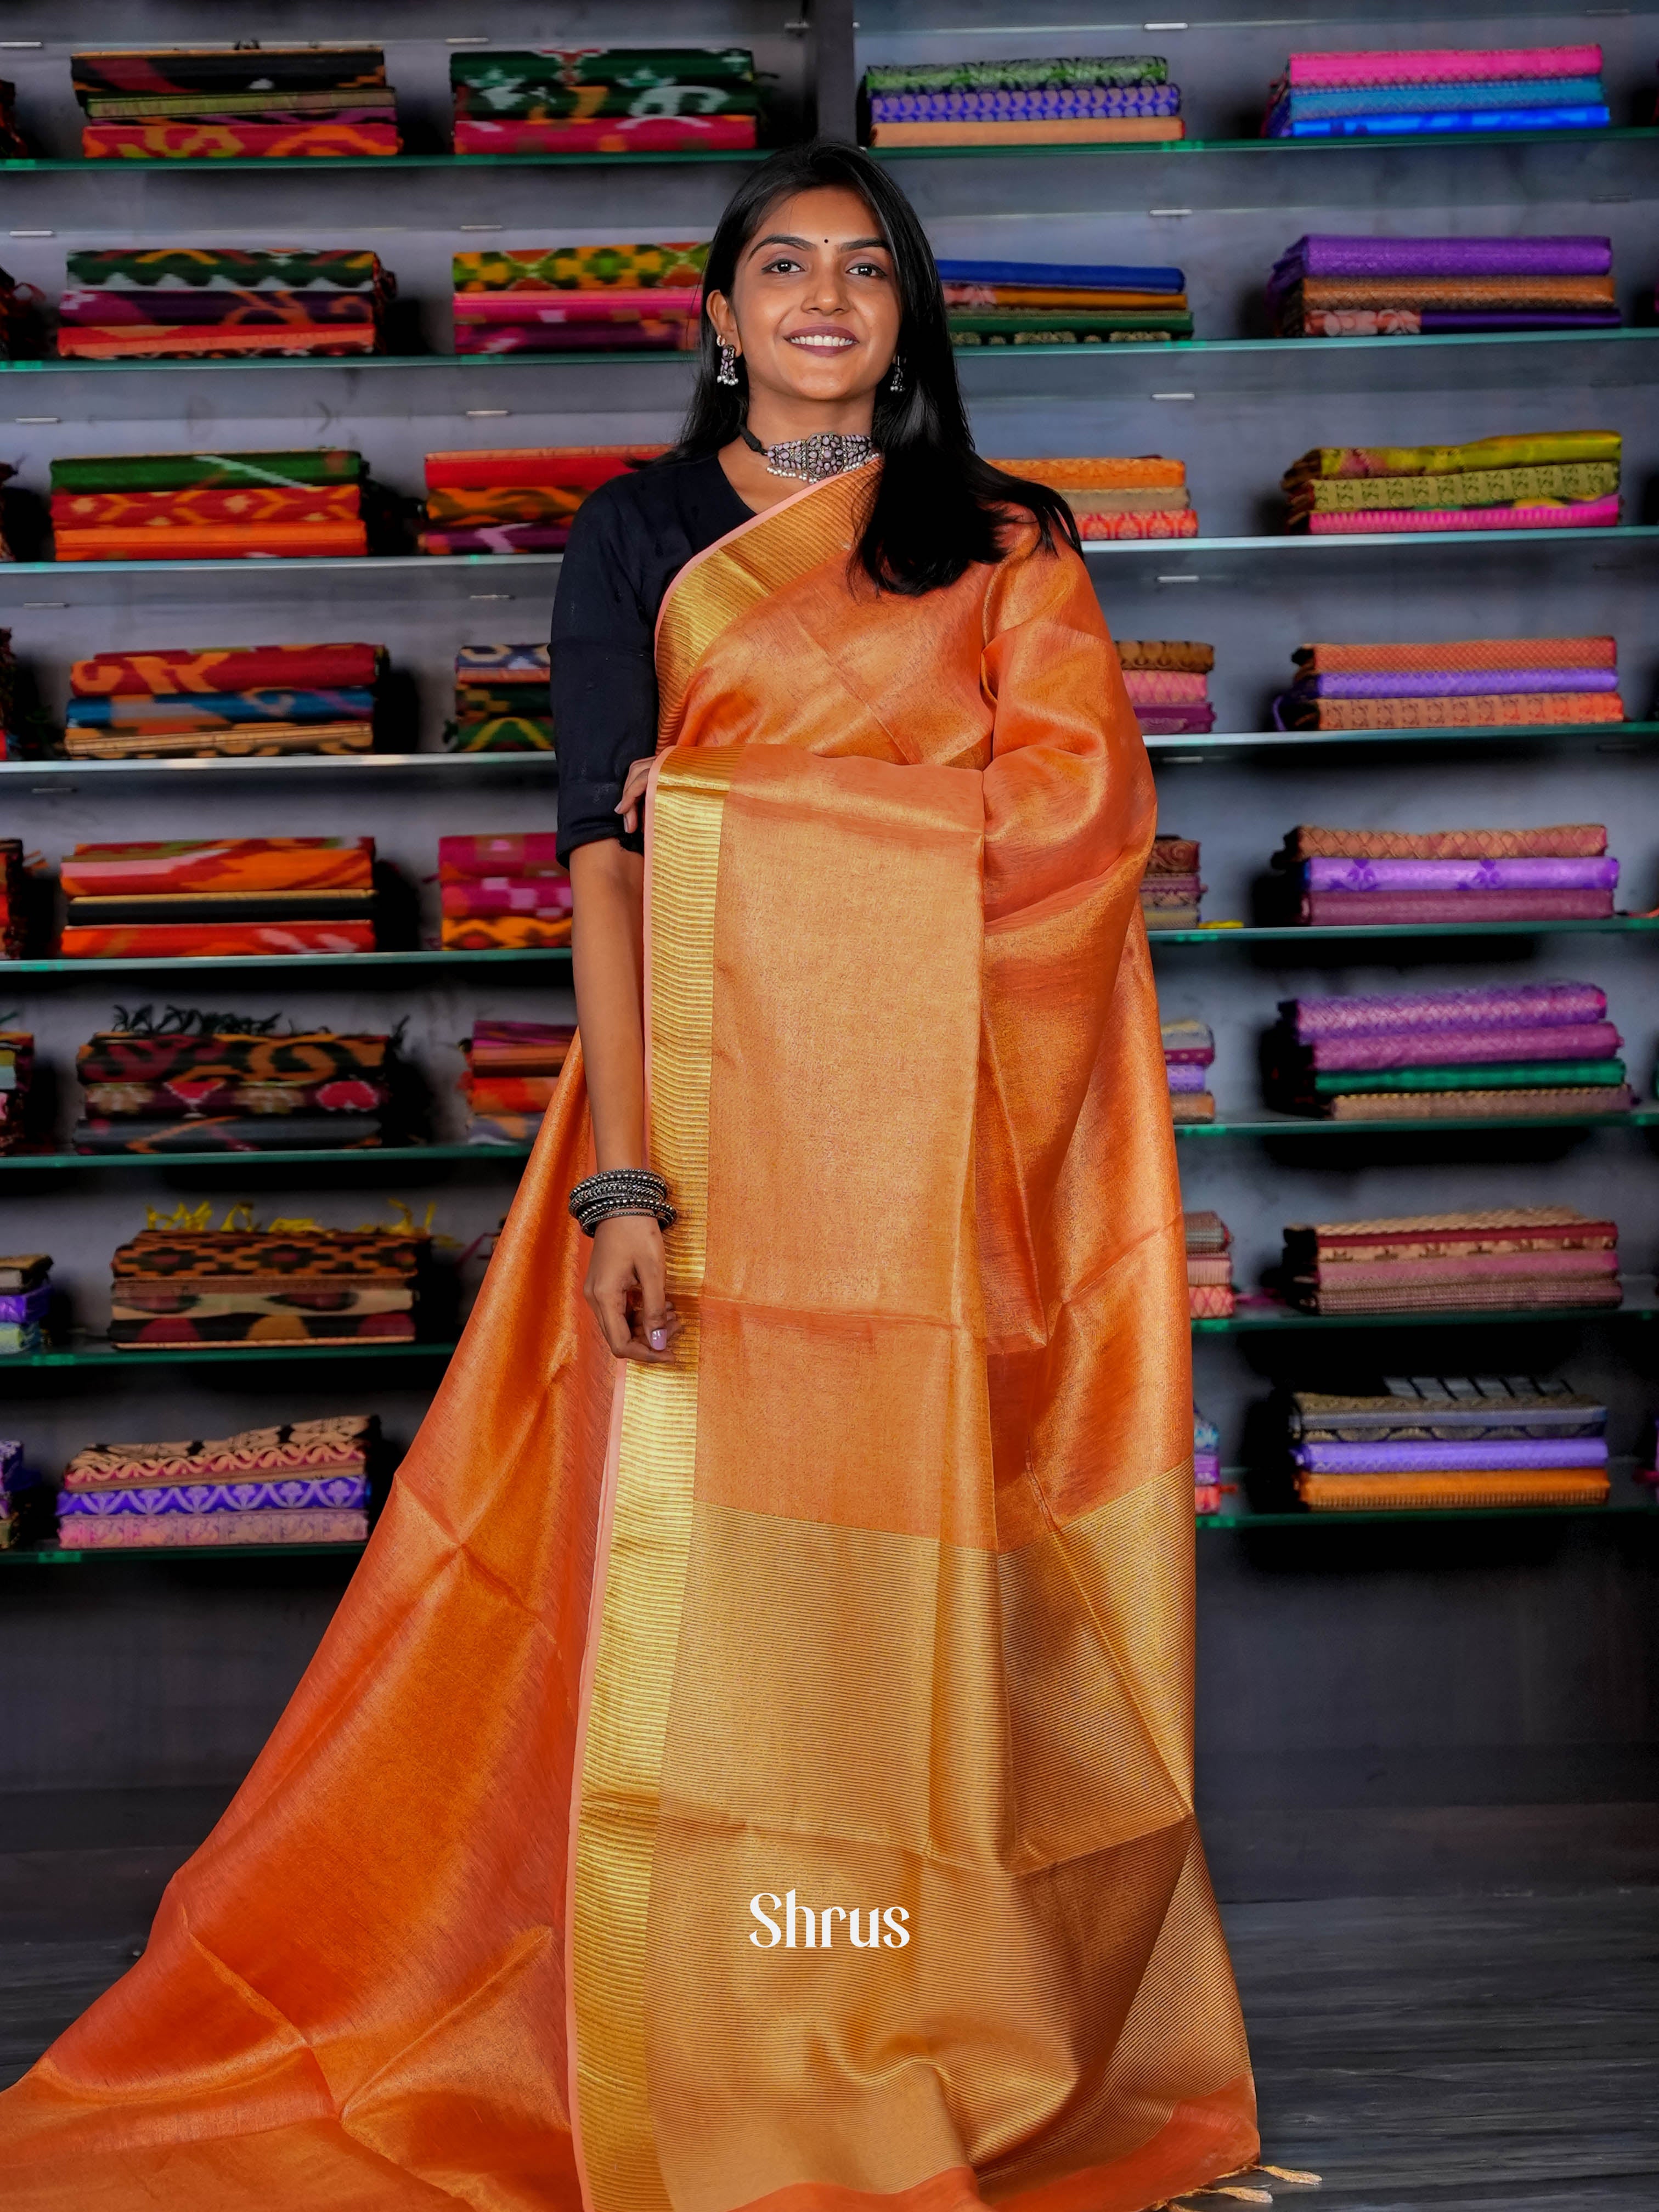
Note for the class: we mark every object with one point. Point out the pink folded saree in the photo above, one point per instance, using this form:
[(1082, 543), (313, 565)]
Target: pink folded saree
[(1582, 514), (1442, 65)]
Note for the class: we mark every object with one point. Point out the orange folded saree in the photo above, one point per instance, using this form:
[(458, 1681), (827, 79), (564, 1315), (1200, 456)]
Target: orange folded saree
[(764, 1780)]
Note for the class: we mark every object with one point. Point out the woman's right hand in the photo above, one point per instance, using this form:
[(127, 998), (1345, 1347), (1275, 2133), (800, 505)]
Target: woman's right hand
[(627, 1289)]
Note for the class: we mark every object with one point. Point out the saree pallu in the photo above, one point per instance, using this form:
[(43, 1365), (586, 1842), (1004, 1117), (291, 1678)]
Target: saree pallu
[(293, 541), (231, 142), (620, 134), (878, 1591), (314, 1525)]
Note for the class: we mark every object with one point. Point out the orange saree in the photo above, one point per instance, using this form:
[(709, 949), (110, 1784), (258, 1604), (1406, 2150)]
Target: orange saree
[(866, 1623)]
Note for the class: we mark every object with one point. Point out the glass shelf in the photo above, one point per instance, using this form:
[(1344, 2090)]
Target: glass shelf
[(237, 1166), (325, 583), (1294, 1124), (53, 1556), (95, 1353), (1392, 932), (312, 969), (1231, 367), (60, 777), (1641, 1303), (1616, 1508), (1189, 750), (1267, 564)]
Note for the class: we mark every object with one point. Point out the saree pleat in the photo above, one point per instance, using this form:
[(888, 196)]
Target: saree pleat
[(876, 1600)]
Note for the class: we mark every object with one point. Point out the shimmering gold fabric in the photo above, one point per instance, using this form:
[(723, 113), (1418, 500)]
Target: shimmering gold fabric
[(892, 1600)]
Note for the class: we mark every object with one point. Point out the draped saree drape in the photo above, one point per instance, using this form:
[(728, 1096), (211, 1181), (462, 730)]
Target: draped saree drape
[(868, 1617)]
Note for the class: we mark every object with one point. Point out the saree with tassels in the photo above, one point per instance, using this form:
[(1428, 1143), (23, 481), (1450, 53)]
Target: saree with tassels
[(867, 1622)]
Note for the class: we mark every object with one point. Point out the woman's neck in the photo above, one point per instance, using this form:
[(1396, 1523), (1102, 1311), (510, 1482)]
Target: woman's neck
[(775, 420)]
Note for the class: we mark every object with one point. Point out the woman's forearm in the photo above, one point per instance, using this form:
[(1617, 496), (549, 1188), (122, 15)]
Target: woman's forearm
[(608, 943)]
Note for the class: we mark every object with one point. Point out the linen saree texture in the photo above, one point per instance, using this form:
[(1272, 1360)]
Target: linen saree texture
[(878, 1592)]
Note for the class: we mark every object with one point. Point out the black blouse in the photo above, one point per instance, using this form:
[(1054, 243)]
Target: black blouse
[(627, 543)]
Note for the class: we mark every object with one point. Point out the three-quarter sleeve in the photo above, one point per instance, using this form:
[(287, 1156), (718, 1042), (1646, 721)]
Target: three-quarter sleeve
[(603, 672)]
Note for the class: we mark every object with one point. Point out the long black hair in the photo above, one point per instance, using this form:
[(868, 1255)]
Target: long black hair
[(938, 506)]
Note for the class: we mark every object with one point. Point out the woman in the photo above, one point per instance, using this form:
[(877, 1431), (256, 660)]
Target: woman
[(752, 1763)]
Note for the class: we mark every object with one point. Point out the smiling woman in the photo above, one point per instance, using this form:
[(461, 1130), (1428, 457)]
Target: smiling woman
[(843, 1536)]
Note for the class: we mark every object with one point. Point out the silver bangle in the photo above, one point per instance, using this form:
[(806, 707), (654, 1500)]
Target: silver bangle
[(621, 1190)]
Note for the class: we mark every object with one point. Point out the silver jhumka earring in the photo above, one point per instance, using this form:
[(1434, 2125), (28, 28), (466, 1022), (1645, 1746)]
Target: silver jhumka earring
[(727, 371), (895, 379)]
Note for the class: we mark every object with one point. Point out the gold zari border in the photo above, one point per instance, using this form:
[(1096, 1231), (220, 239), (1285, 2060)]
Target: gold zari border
[(651, 1538)]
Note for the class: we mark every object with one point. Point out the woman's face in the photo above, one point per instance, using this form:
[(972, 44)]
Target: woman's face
[(814, 309)]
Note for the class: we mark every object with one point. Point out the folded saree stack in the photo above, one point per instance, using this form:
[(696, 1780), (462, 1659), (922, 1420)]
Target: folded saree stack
[(207, 1082), (219, 898), (1088, 99), (1189, 1052), (15, 901), (1518, 1259), (1397, 91), (1209, 1266), (306, 1482), (1334, 287), (1170, 889), (28, 1503), (16, 1075), (209, 506), (1342, 878), (1142, 497), (1529, 1050), (580, 299), (503, 894), (25, 1302), (1168, 681), (1551, 480), (1206, 1465), (512, 1068), (1465, 683), (232, 103), (211, 303), (517, 499), (990, 303), (606, 100), (215, 701), (1423, 1442), (184, 1283), (503, 700)]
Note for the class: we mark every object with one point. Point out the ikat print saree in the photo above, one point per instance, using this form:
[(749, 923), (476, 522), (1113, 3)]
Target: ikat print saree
[(876, 1600)]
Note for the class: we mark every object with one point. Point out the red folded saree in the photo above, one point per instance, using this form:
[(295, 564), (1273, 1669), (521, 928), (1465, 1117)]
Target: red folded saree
[(213, 940), (575, 467), (874, 1600), (223, 864), (164, 671), (253, 541), (204, 507), (221, 342), (181, 141)]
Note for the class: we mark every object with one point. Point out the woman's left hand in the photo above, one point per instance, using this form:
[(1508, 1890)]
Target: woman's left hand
[(633, 794)]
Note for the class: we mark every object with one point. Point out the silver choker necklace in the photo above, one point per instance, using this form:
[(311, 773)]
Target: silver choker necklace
[(811, 460)]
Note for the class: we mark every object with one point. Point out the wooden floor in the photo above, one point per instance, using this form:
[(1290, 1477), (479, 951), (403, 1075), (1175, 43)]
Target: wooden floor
[(1424, 2054)]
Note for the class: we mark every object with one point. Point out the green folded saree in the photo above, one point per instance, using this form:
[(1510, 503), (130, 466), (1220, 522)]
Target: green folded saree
[(1536, 450), (1001, 323), (635, 66), (1022, 75), (1466, 488), (1493, 1075), (182, 472)]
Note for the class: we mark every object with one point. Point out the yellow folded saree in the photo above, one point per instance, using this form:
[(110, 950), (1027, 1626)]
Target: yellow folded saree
[(764, 1781)]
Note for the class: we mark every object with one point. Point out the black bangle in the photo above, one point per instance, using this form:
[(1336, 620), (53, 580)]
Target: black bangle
[(621, 1190)]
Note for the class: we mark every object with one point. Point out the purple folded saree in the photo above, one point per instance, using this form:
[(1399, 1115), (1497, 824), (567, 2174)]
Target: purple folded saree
[(1485, 1005), (1174, 722), (1469, 1048), (1183, 1075), (1326, 254), (340, 1493), (1324, 875), (1410, 1458), (1453, 684), (1430, 909), (19, 1308)]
